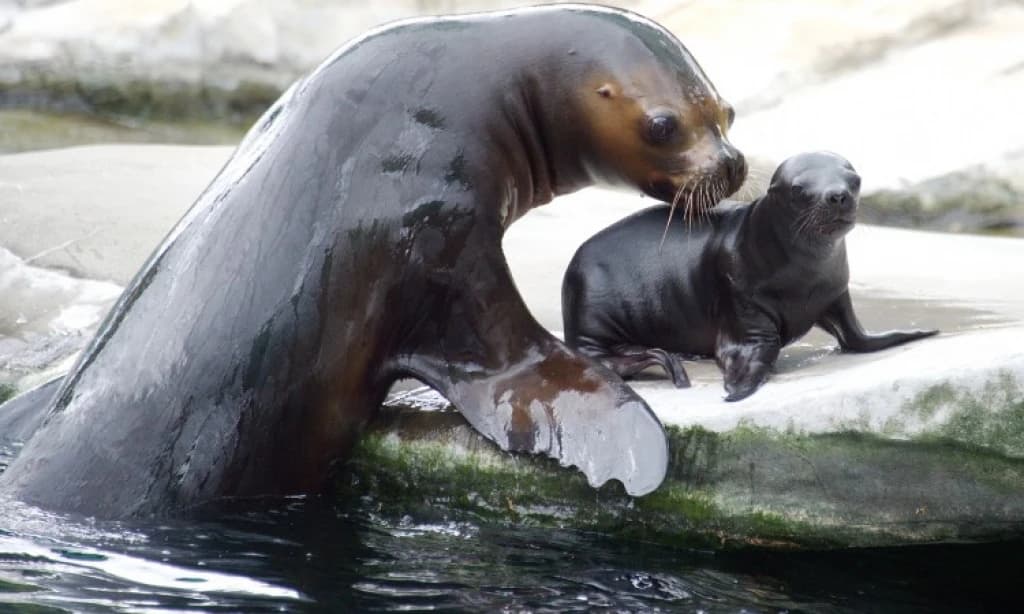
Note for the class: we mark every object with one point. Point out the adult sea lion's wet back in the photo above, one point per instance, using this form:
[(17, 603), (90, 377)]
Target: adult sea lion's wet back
[(354, 238)]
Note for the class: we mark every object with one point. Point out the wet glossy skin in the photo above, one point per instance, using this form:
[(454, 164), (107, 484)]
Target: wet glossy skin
[(738, 286), (354, 238)]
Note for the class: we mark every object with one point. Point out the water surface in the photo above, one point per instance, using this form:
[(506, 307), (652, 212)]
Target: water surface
[(313, 554)]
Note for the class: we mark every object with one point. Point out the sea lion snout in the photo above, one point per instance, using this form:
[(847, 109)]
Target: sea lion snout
[(841, 201), (734, 164), (700, 177), (839, 212), (817, 195), (838, 197), (655, 122)]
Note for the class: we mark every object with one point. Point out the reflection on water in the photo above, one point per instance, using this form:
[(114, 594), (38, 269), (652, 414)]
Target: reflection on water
[(316, 554)]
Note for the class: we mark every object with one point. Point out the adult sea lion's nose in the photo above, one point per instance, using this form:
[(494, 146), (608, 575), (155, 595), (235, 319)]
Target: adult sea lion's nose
[(736, 166)]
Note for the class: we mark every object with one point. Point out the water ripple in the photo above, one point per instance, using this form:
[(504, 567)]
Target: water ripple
[(318, 554)]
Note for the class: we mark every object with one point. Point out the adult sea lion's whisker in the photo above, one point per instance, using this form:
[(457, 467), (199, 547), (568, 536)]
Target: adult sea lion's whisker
[(689, 212), (671, 212), (713, 191)]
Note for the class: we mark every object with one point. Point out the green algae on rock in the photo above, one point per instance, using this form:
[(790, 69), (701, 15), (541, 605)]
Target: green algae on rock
[(6, 391), (991, 417), (25, 130), (239, 105), (745, 487)]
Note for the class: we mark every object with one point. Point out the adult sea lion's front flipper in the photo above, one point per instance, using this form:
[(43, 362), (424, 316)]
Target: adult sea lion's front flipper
[(552, 402), (528, 392)]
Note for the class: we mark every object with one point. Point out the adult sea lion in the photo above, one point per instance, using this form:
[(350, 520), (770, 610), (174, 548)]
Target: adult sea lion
[(355, 238), (739, 285)]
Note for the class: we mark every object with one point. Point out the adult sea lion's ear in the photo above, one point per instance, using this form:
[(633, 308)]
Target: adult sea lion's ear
[(606, 91)]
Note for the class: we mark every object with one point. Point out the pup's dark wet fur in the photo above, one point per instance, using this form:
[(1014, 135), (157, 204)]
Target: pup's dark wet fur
[(738, 286)]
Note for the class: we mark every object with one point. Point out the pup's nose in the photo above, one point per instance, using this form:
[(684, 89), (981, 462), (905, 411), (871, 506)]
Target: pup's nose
[(841, 199)]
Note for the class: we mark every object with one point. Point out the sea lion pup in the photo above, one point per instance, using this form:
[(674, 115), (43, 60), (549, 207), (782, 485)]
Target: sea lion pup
[(738, 286), (355, 238)]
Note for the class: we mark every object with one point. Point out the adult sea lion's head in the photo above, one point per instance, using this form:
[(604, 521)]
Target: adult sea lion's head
[(817, 193), (654, 121)]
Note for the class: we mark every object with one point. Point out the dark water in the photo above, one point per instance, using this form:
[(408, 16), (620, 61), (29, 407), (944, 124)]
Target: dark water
[(321, 555)]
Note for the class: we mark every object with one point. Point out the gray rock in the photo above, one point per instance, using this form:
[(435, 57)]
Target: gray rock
[(921, 443), (976, 199), (180, 58), (913, 93), (853, 77)]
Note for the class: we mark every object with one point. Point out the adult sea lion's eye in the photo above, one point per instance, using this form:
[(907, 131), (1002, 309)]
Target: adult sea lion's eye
[(661, 128)]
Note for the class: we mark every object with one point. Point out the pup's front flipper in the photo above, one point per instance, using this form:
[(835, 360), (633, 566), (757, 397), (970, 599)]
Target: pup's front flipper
[(747, 350), (841, 322), (745, 367)]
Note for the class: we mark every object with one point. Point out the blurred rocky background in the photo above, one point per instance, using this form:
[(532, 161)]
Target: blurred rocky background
[(923, 96)]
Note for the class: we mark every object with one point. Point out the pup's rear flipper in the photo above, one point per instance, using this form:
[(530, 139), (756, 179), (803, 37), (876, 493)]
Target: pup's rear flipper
[(841, 322), (555, 402)]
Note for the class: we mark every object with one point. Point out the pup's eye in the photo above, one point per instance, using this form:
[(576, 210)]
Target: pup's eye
[(797, 189), (661, 128), (855, 183)]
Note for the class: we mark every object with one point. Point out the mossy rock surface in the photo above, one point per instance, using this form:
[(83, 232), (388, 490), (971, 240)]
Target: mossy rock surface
[(7, 391), (745, 487), (240, 104)]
